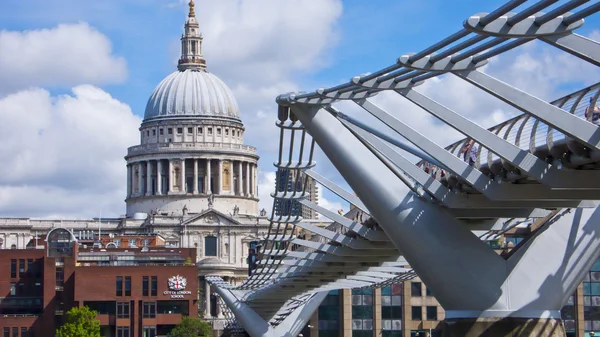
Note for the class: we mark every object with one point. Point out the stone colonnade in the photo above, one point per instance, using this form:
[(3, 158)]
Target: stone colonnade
[(205, 310), (192, 176)]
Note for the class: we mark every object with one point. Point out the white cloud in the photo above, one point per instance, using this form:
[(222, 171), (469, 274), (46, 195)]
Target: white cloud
[(67, 55), (64, 154), (266, 186)]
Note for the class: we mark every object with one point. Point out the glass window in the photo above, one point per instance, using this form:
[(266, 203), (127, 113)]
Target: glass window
[(60, 276), (122, 309), (132, 243), (13, 289), (127, 285), (210, 246), (362, 312), (154, 286), (6, 332), (13, 268), (149, 331), (15, 332), (119, 285), (209, 131), (200, 130), (21, 265), (23, 332), (145, 288), (417, 313), (428, 291), (226, 132), (415, 289), (219, 131), (145, 242), (170, 131), (154, 132), (179, 130), (161, 131), (432, 313), (149, 310), (122, 331), (190, 130), (329, 314)]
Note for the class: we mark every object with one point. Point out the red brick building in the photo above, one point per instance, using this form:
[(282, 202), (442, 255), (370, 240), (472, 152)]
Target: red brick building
[(137, 292)]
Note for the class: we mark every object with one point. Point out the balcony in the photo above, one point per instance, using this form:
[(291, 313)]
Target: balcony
[(189, 146)]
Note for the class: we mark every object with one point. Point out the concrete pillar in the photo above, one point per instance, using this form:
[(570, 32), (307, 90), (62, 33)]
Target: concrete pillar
[(159, 177), (140, 188), (129, 180), (170, 175), (182, 182), (148, 178), (220, 177), (208, 177), (247, 192), (195, 191), (489, 296), (240, 191)]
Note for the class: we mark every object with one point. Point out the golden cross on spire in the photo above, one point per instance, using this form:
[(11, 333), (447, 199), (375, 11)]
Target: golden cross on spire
[(192, 13)]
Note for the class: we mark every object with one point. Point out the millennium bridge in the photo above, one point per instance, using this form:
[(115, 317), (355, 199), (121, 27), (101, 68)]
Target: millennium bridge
[(539, 168)]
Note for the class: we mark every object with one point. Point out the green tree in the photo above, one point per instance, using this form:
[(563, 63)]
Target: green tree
[(81, 322), (191, 327)]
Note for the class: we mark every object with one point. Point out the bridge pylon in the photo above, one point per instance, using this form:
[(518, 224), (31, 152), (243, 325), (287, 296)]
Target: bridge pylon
[(483, 293)]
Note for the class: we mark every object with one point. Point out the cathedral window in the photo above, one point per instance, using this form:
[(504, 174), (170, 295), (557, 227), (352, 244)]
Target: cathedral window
[(179, 131), (218, 131), (190, 130), (209, 131), (200, 130), (210, 246), (147, 133), (170, 131), (154, 132), (161, 131), (226, 132)]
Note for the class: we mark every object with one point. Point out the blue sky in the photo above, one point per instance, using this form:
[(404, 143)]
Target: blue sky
[(334, 40)]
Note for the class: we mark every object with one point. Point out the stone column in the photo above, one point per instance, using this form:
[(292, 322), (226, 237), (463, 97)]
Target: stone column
[(240, 190), (247, 179), (254, 184), (140, 188), (129, 180), (148, 178), (208, 187), (231, 169), (206, 299), (220, 177), (182, 182), (170, 175), (159, 177), (195, 191)]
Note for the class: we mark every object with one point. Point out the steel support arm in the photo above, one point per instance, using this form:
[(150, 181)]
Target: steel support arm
[(577, 45), (569, 124)]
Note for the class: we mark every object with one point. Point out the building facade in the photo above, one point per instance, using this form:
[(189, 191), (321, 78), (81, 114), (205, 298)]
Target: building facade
[(136, 292), (191, 184)]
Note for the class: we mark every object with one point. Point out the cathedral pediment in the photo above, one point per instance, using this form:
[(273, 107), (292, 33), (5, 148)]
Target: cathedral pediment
[(211, 217)]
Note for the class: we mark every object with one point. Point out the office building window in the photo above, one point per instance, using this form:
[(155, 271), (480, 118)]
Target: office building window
[(149, 331), (417, 313), (22, 266), (127, 285), (391, 310), (15, 332), (122, 309), (329, 315), (428, 292), (145, 286), (432, 313), (149, 310), (415, 289), (6, 332), (210, 246), (30, 267), (60, 276), (122, 331), (119, 284), (23, 332), (13, 289), (362, 312), (154, 286), (568, 315), (591, 299), (13, 268), (132, 243)]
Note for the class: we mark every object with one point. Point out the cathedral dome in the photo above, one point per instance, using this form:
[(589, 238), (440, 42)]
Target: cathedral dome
[(192, 92)]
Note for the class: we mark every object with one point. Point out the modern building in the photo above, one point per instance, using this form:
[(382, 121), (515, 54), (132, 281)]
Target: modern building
[(292, 180), (409, 309), (136, 292)]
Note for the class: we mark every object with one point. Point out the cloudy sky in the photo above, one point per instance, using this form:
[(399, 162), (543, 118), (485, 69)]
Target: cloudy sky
[(75, 77)]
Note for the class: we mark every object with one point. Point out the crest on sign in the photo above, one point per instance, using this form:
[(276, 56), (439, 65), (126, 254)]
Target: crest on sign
[(177, 283)]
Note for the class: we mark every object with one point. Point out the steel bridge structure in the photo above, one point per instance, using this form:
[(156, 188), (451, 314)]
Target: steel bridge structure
[(539, 169)]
